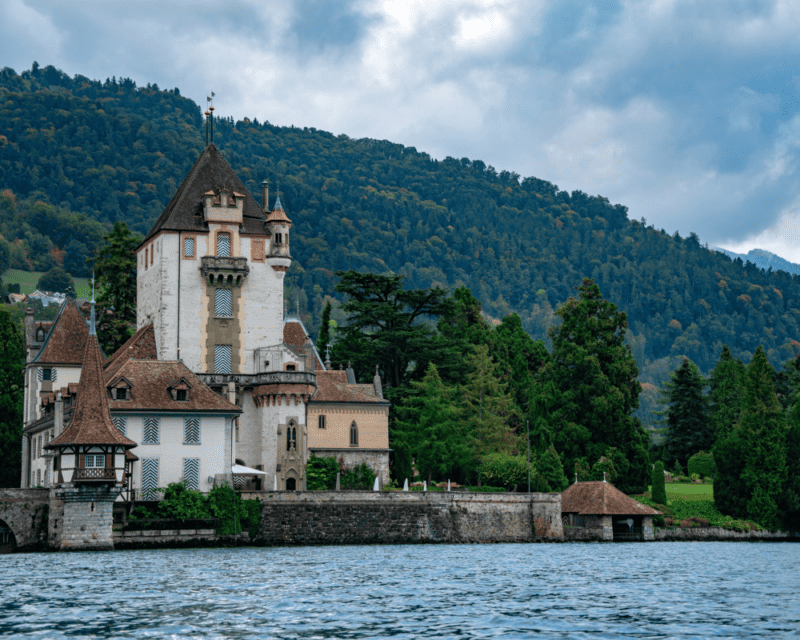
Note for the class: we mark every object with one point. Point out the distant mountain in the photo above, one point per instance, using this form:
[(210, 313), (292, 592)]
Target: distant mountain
[(764, 259), (77, 154)]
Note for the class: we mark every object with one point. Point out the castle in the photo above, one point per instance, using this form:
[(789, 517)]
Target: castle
[(215, 385)]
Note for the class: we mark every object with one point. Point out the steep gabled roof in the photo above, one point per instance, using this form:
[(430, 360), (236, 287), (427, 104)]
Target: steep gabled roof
[(66, 341), (150, 382), (91, 423), (332, 386), (295, 335), (601, 498), (210, 173), (140, 346)]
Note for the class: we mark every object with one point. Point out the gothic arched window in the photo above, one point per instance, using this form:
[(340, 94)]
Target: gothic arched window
[(291, 437), (353, 434)]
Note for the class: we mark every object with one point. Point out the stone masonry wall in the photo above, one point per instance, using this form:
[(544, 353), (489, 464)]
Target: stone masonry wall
[(87, 519), (25, 511), (363, 517)]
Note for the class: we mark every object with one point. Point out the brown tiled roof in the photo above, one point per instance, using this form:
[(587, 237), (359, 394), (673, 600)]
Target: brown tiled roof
[(66, 342), (140, 346), (295, 334), (150, 381), (601, 498), (91, 422), (210, 173), (332, 386)]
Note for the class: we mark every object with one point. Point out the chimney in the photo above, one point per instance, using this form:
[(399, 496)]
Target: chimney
[(232, 392), (58, 417), (265, 196), (30, 327)]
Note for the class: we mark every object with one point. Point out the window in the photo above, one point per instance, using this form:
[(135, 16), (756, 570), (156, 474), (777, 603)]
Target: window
[(222, 358), (47, 374), (150, 432), (149, 478), (38, 477), (353, 434), (191, 473), (291, 367), (322, 422), (223, 245), (152, 248), (188, 247), (180, 395), (94, 461), (257, 250), (121, 424), (191, 430), (291, 437), (122, 394), (278, 238), (223, 303)]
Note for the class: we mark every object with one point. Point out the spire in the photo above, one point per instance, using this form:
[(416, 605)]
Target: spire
[(328, 356), (91, 422), (278, 206), (92, 325)]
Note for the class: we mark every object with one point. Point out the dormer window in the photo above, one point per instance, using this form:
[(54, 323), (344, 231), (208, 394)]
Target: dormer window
[(120, 389), (179, 390)]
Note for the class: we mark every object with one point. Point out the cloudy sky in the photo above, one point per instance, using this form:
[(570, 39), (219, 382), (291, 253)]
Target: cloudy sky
[(686, 112)]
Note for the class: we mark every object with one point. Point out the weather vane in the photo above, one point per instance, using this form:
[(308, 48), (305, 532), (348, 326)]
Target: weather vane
[(209, 113)]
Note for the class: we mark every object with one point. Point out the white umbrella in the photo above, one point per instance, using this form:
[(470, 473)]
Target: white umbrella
[(239, 470)]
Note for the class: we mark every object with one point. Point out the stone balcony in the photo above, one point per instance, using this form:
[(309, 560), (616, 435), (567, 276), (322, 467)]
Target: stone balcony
[(258, 379), (227, 272)]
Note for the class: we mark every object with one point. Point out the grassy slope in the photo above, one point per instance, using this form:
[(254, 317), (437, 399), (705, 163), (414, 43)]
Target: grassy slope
[(27, 282)]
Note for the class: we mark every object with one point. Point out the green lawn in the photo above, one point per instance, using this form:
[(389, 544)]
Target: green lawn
[(690, 491), (27, 282)]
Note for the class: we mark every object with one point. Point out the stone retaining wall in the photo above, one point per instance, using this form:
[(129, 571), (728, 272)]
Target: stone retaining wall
[(366, 517), (175, 538), (718, 533), (25, 511)]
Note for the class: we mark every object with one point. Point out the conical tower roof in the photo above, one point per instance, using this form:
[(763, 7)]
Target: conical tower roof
[(91, 423), (211, 172), (278, 214)]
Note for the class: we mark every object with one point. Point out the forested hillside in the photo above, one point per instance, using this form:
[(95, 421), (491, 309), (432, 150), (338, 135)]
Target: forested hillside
[(106, 151)]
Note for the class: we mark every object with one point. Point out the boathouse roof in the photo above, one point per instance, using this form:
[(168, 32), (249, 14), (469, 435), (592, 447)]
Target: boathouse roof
[(601, 498)]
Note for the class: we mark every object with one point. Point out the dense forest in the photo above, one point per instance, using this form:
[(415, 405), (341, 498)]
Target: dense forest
[(76, 155)]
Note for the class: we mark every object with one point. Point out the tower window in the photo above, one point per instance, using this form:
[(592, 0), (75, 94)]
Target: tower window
[(322, 422), (188, 247), (93, 461), (278, 238), (223, 303), (291, 437), (222, 358), (353, 434), (223, 245)]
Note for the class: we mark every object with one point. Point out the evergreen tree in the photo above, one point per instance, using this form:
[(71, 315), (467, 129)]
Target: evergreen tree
[(441, 447), (488, 408), (549, 467), (790, 499), (12, 363), (689, 427), (324, 337), (725, 394), (763, 430), (594, 378), (115, 268), (658, 485)]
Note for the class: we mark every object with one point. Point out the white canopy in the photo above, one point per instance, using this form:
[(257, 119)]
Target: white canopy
[(239, 470)]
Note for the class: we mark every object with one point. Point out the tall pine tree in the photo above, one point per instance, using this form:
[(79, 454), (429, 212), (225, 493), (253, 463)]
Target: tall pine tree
[(725, 394), (12, 363), (689, 427), (596, 390)]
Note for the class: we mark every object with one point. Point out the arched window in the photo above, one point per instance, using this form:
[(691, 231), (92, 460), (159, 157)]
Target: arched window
[(291, 437), (223, 245), (353, 434)]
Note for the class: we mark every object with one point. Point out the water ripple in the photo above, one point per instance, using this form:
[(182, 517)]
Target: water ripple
[(667, 590)]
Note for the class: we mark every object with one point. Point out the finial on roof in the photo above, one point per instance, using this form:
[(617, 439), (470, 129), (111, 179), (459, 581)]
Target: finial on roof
[(576, 477), (278, 204), (297, 304), (92, 326), (328, 356), (604, 476)]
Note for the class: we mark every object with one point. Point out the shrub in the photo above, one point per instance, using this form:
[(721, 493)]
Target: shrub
[(659, 488), (503, 470), (694, 521), (703, 465), (659, 521), (359, 477), (321, 473), (56, 280)]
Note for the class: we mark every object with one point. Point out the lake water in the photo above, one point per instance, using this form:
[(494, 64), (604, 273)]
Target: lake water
[(657, 590)]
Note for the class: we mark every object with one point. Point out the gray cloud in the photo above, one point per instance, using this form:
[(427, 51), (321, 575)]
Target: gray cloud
[(687, 112)]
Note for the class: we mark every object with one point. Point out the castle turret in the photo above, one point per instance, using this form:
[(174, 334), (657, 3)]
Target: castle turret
[(278, 225)]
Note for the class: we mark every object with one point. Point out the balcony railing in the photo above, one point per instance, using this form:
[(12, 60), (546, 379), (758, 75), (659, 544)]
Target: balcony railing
[(95, 475), (256, 379), (219, 271)]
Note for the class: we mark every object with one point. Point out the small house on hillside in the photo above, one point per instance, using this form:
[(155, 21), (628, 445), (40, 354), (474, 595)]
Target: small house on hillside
[(600, 511)]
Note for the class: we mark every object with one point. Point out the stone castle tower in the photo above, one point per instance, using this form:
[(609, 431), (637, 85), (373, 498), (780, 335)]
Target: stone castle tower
[(210, 279)]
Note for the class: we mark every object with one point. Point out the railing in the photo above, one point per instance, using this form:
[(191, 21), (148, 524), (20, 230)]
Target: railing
[(256, 379), (96, 474), (224, 271)]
